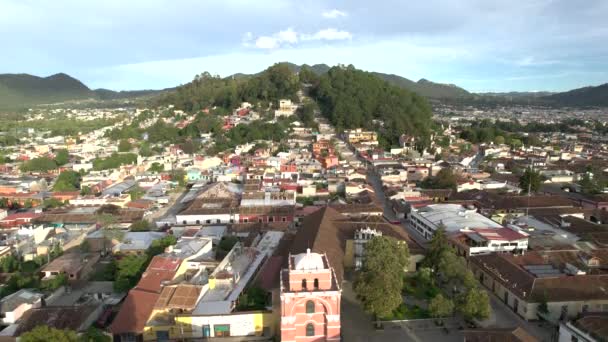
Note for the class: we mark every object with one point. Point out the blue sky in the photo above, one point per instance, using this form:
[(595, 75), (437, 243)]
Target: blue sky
[(481, 45)]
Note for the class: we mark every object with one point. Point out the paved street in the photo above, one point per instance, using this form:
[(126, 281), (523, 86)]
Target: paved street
[(375, 181)]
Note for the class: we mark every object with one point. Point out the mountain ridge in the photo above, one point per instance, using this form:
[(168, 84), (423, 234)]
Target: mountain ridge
[(20, 90)]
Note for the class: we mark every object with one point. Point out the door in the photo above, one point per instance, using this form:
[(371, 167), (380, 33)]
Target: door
[(206, 330)]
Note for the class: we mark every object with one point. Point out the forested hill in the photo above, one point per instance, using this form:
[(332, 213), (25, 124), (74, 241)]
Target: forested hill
[(24, 89), (425, 87), (352, 98), (274, 83), (582, 97)]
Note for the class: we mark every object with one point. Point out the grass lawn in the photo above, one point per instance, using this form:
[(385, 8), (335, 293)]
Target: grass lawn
[(405, 312), (412, 286)]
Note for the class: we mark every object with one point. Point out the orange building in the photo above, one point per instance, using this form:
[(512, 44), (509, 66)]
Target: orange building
[(310, 300)]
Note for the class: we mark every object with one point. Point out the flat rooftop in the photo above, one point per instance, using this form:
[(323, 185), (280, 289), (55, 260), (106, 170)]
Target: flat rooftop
[(456, 217)]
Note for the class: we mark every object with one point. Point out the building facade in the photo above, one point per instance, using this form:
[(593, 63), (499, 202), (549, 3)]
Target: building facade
[(310, 300)]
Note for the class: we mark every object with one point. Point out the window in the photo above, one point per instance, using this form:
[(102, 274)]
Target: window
[(221, 330), (316, 284), (245, 220), (310, 329), (198, 221), (310, 306), (271, 219), (184, 222), (303, 284), (208, 221), (218, 221), (284, 219)]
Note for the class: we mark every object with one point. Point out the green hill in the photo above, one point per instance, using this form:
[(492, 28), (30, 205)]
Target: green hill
[(21, 90), (352, 98), (425, 87), (582, 97)]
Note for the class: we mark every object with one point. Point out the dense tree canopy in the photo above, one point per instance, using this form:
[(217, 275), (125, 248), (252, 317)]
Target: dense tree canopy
[(352, 98), (43, 333), (206, 91), (380, 281), (67, 181), (530, 180), (114, 161), (40, 164)]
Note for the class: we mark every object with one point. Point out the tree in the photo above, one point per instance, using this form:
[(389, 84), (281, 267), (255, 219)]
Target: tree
[(128, 271), (439, 245), (43, 333), (86, 190), (144, 149), (445, 179), (530, 180), (124, 146), (95, 335), (136, 193), (380, 281), (474, 304), (67, 181), (62, 157), (52, 203), (156, 168), (41, 164), (543, 306), (499, 140), (140, 226), (4, 202), (440, 306), (9, 264)]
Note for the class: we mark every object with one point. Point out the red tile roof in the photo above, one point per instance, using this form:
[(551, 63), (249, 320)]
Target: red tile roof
[(134, 312), (502, 234), (160, 263)]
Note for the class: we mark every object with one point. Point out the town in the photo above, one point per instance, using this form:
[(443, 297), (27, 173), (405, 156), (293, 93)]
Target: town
[(272, 220)]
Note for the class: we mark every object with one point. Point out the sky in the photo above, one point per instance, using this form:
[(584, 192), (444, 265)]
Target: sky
[(480, 45)]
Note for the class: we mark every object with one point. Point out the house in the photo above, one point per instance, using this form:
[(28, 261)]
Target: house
[(74, 265), (129, 323), (77, 318), (13, 306), (136, 242), (286, 109), (568, 285), (591, 327)]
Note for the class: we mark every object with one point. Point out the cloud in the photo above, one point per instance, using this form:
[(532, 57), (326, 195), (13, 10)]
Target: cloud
[(333, 14), (285, 37), (328, 34), (289, 37)]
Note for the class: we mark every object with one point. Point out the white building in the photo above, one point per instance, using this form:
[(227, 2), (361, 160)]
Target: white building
[(483, 241), (453, 217), (286, 108), (13, 306), (362, 237)]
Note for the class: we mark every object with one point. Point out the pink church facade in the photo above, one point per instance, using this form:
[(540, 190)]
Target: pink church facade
[(310, 300)]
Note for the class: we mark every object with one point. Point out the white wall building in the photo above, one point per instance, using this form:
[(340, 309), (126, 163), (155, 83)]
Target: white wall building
[(453, 217)]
